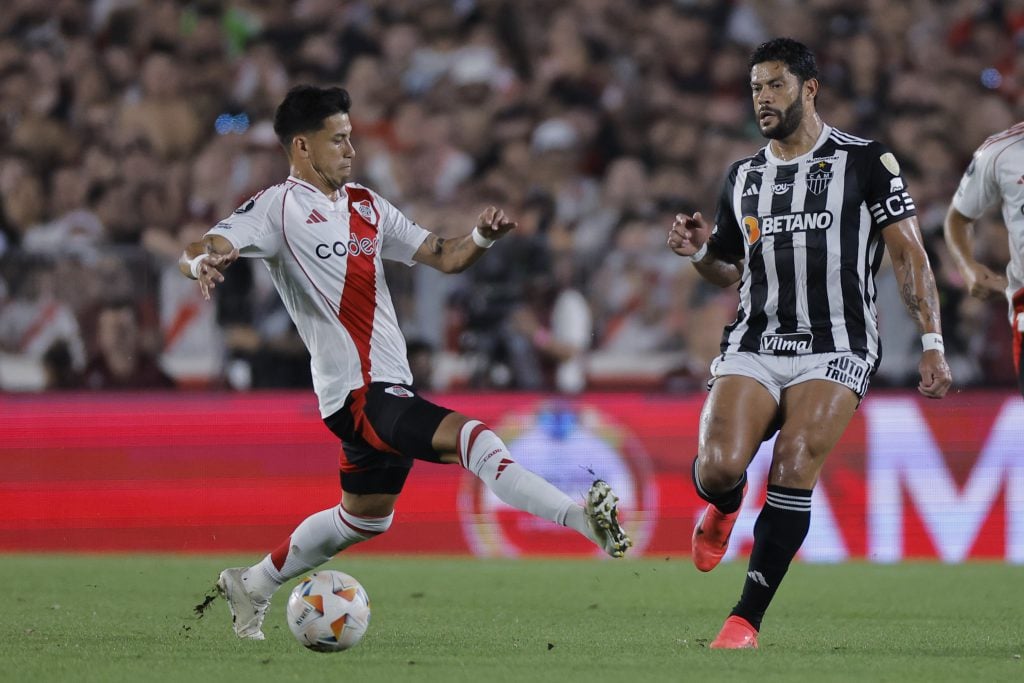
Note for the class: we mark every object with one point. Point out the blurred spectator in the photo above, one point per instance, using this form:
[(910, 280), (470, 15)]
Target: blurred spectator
[(193, 350), (550, 334), (33, 324), (161, 115), (120, 360)]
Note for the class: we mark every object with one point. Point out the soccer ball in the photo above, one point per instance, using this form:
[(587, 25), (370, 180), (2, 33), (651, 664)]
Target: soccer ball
[(329, 611)]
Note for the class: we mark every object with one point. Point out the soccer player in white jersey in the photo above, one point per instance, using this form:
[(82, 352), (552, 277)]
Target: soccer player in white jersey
[(995, 176), (801, 226), (324, 240)]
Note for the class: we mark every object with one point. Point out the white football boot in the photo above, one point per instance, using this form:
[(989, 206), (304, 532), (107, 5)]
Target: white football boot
[(247, 611), (603, 517)]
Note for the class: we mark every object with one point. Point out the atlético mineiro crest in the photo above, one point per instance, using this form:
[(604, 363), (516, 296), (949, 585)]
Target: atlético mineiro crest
[(365, 209), (819, 177)]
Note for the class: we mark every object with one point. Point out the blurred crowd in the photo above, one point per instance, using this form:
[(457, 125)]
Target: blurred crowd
[(129, 127)]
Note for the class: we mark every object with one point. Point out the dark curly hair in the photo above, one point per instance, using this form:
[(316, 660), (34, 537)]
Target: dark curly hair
[(797, 57)]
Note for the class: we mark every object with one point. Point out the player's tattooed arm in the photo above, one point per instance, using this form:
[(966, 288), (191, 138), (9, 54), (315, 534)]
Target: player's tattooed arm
[(914, 274), (917, 287), (435, 244), (455, 255), (447, 255)]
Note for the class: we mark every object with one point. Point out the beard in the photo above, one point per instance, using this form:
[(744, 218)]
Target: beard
[(786, 121)]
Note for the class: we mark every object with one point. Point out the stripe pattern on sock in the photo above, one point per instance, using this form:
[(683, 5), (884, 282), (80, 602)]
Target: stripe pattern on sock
[(788, 501), (367, 526), (470, 432)]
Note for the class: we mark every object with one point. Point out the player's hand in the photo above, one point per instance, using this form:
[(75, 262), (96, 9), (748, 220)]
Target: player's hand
[(984, 283), (935, 375), (493, 224), (688, 234), (210, 270)]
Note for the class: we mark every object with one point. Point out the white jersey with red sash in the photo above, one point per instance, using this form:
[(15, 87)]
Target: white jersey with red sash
[(996, 175), (326, 260)]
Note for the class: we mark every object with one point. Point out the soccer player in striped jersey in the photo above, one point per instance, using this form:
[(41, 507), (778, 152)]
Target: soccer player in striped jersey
[(801, 226), (995, 176), (323, 240)]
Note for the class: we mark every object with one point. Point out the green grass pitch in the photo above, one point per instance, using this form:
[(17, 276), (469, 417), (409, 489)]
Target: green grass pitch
[(129, 618)]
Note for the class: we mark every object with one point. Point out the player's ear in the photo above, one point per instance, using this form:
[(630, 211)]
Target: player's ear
[(811, 87), (300, 146)]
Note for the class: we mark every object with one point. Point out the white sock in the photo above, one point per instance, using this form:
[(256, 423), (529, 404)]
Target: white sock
[(486, 456), (317, 539)]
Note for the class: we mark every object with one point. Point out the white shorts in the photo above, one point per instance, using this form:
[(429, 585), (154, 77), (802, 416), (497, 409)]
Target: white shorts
[(778, 372)]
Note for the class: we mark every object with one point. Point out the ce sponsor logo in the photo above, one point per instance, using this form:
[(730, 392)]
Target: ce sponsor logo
[(355, 246)]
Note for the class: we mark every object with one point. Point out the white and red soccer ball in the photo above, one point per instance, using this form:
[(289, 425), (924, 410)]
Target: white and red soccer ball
[(329, 611)]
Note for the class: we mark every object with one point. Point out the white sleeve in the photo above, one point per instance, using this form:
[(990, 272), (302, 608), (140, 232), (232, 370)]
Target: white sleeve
[(979, 188), (400, 237), (254, 228)]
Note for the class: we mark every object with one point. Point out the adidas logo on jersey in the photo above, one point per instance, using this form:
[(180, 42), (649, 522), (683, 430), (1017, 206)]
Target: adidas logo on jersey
[(752, 191), (315, 217)]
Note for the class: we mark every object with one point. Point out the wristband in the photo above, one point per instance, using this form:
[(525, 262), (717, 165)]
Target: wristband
[(699, 255), (932, 341), (193, 265), (480, 240)]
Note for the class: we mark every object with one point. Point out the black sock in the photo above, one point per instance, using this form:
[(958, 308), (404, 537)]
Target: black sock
[(778, 534), (727, 502)]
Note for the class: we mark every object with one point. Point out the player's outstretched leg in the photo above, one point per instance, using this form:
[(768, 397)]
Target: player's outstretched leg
[(603, 517), (247, 610), (484, 454), (737, 634)]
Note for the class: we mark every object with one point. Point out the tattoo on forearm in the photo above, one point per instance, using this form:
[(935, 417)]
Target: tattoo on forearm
[(924, 308), (438, 245), (910, 299)]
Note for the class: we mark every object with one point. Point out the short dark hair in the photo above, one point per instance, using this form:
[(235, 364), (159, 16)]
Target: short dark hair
[(304, 109), (797, 57)]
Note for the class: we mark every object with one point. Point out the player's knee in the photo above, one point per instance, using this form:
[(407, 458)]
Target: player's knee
[(796, 463), (719, 470)]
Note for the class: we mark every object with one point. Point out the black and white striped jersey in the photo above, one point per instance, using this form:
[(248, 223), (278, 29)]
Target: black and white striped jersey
[(809, 233)]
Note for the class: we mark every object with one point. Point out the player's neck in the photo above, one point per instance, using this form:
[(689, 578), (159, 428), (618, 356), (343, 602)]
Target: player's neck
[(801, 141), (311, 177)]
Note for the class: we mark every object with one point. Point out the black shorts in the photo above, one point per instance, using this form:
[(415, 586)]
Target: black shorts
[(383, 427)]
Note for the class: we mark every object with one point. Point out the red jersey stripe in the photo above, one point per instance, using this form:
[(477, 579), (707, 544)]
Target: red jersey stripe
[(359, 296)]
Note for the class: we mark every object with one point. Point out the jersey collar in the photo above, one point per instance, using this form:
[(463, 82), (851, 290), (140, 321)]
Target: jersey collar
[(826, 130), (303, 183)]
